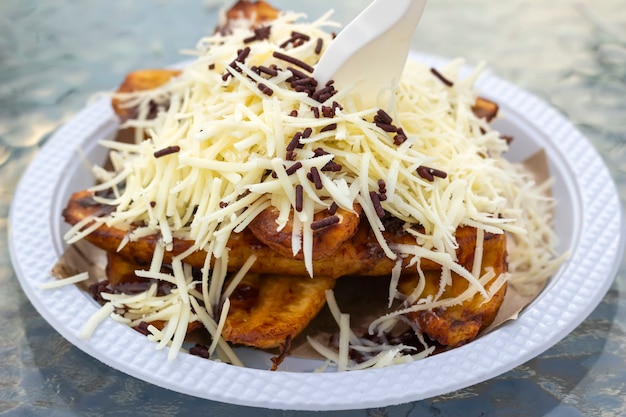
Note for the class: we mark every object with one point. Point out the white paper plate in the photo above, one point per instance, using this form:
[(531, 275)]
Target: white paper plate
[(588, 223)]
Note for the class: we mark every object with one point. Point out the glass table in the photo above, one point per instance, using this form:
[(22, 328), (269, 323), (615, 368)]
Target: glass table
[(54, 56)]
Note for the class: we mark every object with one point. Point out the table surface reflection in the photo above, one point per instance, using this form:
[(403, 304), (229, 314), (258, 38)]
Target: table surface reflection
[(55, 55)]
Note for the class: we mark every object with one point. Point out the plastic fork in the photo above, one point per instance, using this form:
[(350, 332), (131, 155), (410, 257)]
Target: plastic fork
[(371, 51)]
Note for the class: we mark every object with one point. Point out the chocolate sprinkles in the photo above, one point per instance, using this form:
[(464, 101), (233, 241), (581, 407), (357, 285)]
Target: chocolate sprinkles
[(142, 328), (292, 60), (320, 152), (260, 34), (297, 74), (272, 71), (328, 111), (400, 138), (305, 83), (308, 81), (332, 166), (299, 197), (382, 186), (331, 126), (242, 54), (265, 89), (315, 178), (441, 77), (325, 93), (389, 128), (291, 155), (380, 212), (325, 222), (429, 174), (167, 151), (295, 142), (383, 117), (385, 122), (299, 35), (319, 45), (297, 39), (292, 169), (382, 190), (199, 350), (301, 82)]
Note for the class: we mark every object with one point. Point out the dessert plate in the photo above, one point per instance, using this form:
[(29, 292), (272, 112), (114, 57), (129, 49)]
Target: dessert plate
[(588, 222)]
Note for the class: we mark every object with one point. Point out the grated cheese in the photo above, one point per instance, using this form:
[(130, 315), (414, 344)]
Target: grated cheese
[(229, 134), (74, 279), (220, 324), (90, 327)]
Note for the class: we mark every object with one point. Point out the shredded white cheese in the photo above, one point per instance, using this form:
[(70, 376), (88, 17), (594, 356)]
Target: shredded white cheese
[(92, 324), (228, 125), (74, 279)]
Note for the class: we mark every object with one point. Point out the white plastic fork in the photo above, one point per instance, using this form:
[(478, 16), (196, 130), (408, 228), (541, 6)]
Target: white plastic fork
[(371, 51)]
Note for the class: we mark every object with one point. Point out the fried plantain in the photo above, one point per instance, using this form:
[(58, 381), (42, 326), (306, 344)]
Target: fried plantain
[(121, 278), (326, 240), (456, 325), (277, 299), (120, 271), (485, 109), (145, 79), (255, 13), (359, 255), (265, 310)]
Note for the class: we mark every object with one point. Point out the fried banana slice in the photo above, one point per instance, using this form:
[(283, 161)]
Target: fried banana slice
[(255, 13), (267, 309), (460, 324), (146, 79), (249, 13), (119, 271), (121, 278), (485, 109), (359, 255), (326, 240), (264, 309)]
